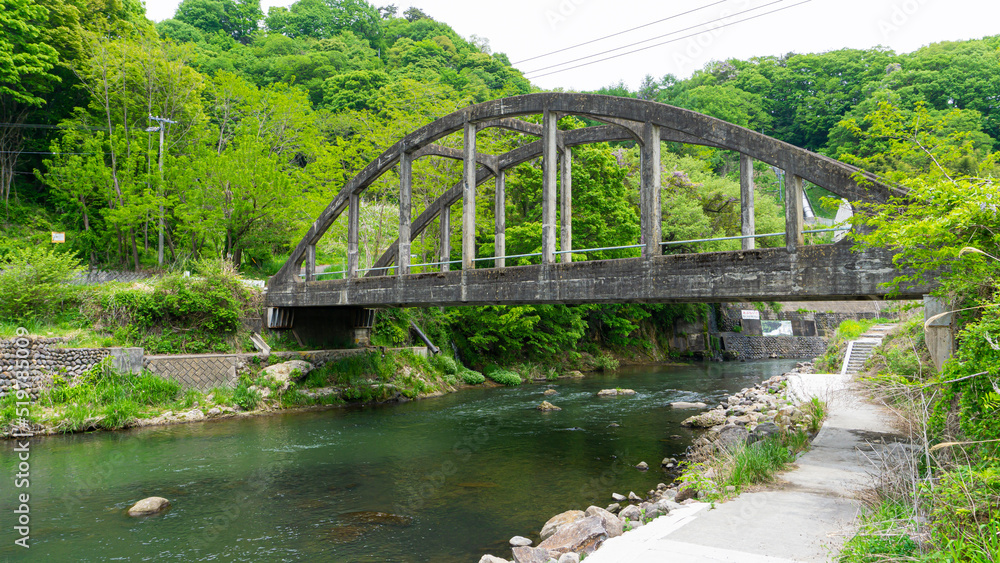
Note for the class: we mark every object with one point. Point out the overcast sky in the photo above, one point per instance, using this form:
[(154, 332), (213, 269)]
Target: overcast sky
[(709, 31)]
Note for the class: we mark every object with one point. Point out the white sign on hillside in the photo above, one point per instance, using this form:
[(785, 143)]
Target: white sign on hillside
[(751, 314)]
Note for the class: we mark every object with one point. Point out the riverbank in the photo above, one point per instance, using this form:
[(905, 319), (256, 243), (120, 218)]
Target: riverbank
[(103, 399), (747, 438)]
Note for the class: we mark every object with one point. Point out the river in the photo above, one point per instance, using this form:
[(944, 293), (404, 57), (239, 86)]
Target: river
[(462, 473)]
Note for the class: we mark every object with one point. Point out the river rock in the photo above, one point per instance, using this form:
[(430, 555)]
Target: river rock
[(214, 411), (633, 496), (732, 437), (492, 559), (282, 373), (708, 419), (613, 508), (618, 497), (582, 536), (607, 393), (558, 521), (611, 522), (192, 415), (573, 374), (687, 405), (569, 557), (765, 430), (547, 406), (147, 506), (520, 541), (533, 555), (630, 512), (642, 466), (550, 392)]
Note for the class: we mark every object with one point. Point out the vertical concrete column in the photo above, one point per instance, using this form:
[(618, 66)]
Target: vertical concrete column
[(746, 201), (500, 228), (444, 220), (311, 262), (649, 190), (469, 198), (793, 212), (353, 220), (405, 193), (550, 163), (939, 334), (566, 205)]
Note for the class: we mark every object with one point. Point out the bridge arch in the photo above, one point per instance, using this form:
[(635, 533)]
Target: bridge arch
[(628, 119)]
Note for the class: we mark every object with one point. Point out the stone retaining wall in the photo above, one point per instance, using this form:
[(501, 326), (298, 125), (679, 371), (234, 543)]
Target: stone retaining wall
[(761, 347), (44, 361)]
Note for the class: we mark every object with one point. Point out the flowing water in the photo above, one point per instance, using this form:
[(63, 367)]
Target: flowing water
[(453, 477)]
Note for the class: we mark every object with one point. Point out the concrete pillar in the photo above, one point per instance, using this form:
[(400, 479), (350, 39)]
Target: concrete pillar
[(746, 201), (353, 220), (500, 227), (793, 212), (939, 334), (311, 262), (469, 198), (649, 191), (550, 165), (566, 205), (405, 192), (444, 220)]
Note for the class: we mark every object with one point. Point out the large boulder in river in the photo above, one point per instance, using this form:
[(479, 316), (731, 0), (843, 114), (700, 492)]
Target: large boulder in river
[(148, 506), (615, 392), (287, 372), (558, 521), (708, 419), (688, 405), (583, 536), (547, 406)]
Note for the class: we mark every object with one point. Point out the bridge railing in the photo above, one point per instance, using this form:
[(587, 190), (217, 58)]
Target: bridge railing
[(390, 270)]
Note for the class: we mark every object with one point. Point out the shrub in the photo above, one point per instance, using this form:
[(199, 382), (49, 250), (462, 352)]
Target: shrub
[(472, 377), (606, 362), (505, 377), (445, 364), (245, 397), (33, 282)]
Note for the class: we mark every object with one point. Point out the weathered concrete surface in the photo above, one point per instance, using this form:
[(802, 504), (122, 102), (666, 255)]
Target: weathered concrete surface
[(820, 272)]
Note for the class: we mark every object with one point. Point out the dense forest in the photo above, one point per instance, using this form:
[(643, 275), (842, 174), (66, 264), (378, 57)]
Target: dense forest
[(269, 114)]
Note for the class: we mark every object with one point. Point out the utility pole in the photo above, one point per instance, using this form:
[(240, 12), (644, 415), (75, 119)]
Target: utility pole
[(160, 127)]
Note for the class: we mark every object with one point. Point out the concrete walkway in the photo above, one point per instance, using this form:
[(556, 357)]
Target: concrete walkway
[(805, 516)]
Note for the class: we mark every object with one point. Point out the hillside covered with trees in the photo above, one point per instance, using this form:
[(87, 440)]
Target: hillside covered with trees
[(268, 115)]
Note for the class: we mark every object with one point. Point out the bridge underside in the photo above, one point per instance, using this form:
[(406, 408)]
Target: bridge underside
[(813, 273)]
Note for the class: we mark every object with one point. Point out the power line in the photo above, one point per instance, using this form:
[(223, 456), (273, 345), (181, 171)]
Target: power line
[(654, 38), (666, 42), (619, 33)]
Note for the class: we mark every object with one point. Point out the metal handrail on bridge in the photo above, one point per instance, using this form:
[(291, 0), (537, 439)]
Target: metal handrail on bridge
[(585, 250)]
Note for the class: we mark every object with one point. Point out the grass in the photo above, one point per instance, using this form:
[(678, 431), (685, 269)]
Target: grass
[(884, 535), (756, 463)]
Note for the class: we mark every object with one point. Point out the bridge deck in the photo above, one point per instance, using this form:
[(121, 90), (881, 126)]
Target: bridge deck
[(819, 272)]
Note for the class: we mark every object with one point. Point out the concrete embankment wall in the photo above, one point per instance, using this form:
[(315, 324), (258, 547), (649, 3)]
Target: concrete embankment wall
[(45, 360), (761, 347)]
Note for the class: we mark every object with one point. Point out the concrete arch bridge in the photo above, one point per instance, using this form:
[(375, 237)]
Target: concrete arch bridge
[(332, 308)]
